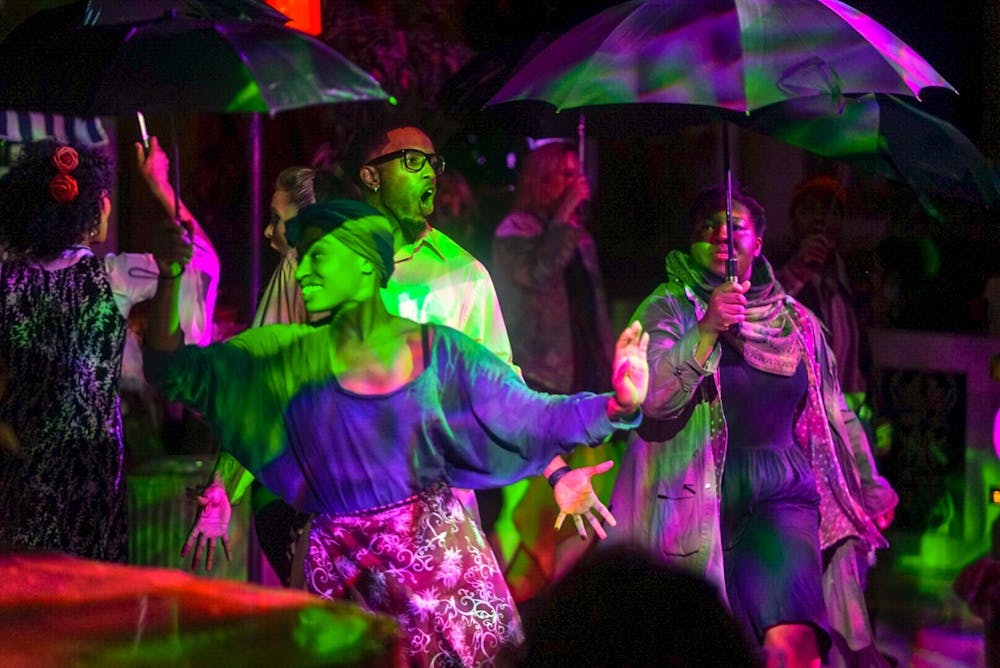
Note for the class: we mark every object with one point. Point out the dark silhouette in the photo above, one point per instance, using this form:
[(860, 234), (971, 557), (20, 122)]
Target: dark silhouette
[(618, 607)]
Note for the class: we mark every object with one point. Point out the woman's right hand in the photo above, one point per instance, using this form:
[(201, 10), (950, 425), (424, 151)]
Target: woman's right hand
[(154, 164), (727, 306), (212, 524)]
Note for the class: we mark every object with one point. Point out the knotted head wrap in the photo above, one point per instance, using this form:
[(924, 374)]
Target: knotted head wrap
[(358, 226)]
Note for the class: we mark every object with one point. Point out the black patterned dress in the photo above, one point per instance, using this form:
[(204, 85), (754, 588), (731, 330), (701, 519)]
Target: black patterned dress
[(61, 337)]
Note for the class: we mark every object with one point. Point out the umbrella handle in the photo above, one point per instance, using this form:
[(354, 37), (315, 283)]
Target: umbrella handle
[(143, 133)]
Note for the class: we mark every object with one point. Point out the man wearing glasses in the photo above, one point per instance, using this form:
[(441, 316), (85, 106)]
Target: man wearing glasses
[(435, 279)]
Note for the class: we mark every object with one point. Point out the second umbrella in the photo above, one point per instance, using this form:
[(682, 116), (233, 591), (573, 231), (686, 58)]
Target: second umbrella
[(173, 65)]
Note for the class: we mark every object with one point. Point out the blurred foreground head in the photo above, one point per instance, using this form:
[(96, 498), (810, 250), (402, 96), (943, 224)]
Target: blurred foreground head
[(618, 607)]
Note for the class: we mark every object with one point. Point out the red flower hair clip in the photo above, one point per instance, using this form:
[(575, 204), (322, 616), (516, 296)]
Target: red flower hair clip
[(63, 187), (65, 159)]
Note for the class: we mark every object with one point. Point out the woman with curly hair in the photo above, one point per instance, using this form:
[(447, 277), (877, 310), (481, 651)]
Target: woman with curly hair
[(62, 329)]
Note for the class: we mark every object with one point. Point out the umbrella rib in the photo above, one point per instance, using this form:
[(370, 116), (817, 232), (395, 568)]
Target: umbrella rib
[(873, 32)]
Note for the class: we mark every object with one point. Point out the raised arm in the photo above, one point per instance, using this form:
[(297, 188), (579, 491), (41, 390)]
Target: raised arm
[(172, 250), (200, 283), (155, 168)]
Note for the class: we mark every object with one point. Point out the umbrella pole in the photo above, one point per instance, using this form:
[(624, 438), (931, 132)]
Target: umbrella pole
[(730, 250), (176, 163), (256, 208), (728, 172), (581, 128)]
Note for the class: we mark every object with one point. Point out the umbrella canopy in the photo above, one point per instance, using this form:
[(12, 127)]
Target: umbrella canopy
[(883, 134), (736, 55), (173, 65)]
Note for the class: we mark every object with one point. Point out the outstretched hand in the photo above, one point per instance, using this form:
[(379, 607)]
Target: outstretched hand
[(631, 370), (212, 523), (575, 495)]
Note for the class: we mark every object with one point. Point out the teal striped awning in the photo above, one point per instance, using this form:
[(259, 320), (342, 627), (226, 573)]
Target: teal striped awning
[(25, 126)]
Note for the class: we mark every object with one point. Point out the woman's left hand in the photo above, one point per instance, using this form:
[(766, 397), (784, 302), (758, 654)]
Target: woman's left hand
[(631, 371)]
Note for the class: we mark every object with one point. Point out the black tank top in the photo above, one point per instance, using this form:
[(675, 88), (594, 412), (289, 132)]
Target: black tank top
[(760, 407)]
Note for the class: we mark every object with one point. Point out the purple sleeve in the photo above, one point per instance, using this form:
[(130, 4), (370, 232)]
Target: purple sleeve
[(236, 386), (501, 429)]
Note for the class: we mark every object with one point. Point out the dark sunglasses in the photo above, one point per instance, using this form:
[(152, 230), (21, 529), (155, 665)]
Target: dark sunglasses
[(413, 160)]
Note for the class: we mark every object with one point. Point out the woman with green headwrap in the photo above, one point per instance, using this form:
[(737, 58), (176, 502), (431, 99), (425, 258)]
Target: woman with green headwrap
[(369, 420)]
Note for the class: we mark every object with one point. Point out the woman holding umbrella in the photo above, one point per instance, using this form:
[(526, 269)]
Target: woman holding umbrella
[(367, 422), (750, 469)]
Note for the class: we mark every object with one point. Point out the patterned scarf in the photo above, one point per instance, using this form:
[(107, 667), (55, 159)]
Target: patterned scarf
[(767, 339)]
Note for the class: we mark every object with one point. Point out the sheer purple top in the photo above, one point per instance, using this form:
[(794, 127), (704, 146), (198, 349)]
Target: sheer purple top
[(467, 418)]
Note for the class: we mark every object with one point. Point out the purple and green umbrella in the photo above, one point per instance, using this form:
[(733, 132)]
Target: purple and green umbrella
[(737, 55), (722, 59)]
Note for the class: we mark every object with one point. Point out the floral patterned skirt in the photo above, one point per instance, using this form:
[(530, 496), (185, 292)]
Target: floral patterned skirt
[(424, 562)]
